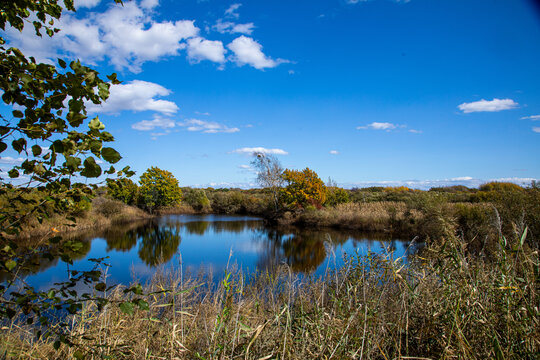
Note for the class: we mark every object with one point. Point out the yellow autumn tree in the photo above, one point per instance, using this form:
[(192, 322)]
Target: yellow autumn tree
[(303, 188)]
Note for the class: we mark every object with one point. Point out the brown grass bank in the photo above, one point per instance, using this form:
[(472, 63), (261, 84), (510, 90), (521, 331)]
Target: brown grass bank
[(103, 212), (400, 218), (443, 305)]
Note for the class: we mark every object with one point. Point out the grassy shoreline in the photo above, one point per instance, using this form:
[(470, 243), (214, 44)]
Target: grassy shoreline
[(445, 305)]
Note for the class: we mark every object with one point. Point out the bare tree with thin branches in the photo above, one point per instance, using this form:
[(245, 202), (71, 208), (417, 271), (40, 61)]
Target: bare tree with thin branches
[(269, 174)]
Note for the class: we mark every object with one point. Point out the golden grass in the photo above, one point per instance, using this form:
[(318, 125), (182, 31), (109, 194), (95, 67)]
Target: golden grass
[(374, 216), (178, 209)]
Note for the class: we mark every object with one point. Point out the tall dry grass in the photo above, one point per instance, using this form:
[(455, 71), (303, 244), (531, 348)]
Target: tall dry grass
[(443, 304), (375, 216)]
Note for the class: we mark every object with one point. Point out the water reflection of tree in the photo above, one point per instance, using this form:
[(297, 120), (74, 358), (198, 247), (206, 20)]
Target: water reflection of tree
[(121, 240), (304, 253), (44, 257), (158, 243), (235, 226), (197, 227), (201, 227), (302, 249)]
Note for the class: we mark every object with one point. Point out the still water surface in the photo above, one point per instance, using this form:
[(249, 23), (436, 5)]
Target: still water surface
[(210, 243)]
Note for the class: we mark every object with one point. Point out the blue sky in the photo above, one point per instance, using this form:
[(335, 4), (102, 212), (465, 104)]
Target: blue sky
[(420, 92)]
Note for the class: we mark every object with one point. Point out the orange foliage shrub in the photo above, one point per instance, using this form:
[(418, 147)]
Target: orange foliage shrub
[(303, 188)]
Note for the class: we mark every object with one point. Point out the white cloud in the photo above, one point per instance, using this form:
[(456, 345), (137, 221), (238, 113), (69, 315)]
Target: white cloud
[(158, 122), (154, 136), (488, 105), (253, 150), (232, 28), (136, 95), (334, 152), (133, 37), (248, 51), (201, 49), (10, 160), (247, 169), (231, 11), (207, 127), (126, 35), (378, 126), (415, 131), (86, 3), (149, 4), (427, 184), (532, 117), (461, 178), (231, 185), (536, 129)]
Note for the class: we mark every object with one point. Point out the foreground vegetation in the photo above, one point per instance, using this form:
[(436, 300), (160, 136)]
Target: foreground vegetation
[(473, 293), (446, 303)]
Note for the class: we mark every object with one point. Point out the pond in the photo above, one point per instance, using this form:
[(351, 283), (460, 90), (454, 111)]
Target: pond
[(208, 244)]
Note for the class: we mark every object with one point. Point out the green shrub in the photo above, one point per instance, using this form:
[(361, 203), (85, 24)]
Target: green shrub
[(122, 189), (336, 196), (197, 199)]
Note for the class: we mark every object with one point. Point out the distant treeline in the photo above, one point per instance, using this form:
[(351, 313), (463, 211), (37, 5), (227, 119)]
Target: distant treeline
[(478, 215)]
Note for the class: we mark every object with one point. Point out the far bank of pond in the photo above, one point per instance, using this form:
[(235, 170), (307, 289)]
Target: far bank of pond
[(208, 244)]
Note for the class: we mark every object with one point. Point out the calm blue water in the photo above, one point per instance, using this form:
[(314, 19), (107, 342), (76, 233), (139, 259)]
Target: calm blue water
[(210, 243)]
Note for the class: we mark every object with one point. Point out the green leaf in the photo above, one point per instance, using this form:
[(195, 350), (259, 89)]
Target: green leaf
[(127, 308), (95, 146), (18, 114), (522, 241), (100, 287), (143, 305), (75, 119), (10, 264), (113, 79), (110, 155), (3, 146), (56, 345), (62, 63), (36, 150), (78, 355), (103, 89), (72, 162), (58, 146), (13, 173), (19, 145), (95, 124), (91, 168)]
